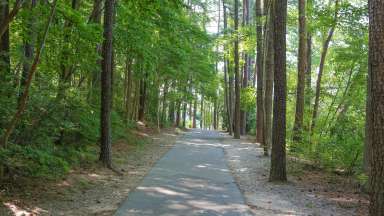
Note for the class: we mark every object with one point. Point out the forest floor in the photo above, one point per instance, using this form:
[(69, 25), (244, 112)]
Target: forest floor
[(90, 190), (97, 191), (309, 191)]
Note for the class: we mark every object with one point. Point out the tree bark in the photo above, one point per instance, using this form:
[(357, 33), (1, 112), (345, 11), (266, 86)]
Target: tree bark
[(5, 61), (164, 109), (245, 68), (94, 79), (301, 67), (8, 18), (202, 112), (28, 44), (178, 117), (259, 69), (308, 80), (66, 70), (278, 156), (228, 75), (23, 100), (376, 107), (321, 67), (184, 114), (237, 74), (106, 85), (269, 70), (142, 99), (194, 113), (128, 90)]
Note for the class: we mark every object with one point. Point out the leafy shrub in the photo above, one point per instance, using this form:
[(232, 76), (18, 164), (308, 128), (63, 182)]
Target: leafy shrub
[(33, 161)]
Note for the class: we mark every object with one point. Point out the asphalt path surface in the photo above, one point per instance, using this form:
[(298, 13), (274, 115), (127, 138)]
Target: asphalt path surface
[(191, 179)]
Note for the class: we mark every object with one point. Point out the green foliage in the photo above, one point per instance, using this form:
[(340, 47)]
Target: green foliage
[(34, 161), (337, 142), (247, 99), (162, 43)]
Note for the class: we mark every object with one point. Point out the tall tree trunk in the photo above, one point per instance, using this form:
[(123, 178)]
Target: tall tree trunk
[(215, 102), (106, 85), (245, 68), (194, 113), (278, 156), (321, 67), (202, 112), (259, 69), (66, 70), (7, 18), (5, 61), (164, 109), (28, 44), (23, 100), (184, 114), (269, 70), (301, 67), (228, 75), (178, 114), (226, 99), (376, 112), (237, 74), (231, 95), (171, 113), (94, 79), (128, 92), (308, 80), (143, 98)]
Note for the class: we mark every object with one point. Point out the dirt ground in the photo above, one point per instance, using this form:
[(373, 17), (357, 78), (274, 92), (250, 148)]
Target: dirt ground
[(308, 191), (98, 191), (92, 190)]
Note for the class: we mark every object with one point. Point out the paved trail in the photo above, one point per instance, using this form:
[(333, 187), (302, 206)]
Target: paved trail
[(191, 179)]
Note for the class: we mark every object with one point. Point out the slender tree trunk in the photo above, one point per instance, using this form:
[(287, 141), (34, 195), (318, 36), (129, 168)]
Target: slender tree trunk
[(376, 100), (184, 114), (194, 113), (5, 61), (172, 107), (321, 67), (278, 156), (106, 85), (135, 107), (230, 80), (231, 95), (259, 69), (66, 70), (201, 112), (28, 44), (178, 114), (164, 109), (142, 100), (171, 113), (368, 131), (226, 99), (237, 74), (301, 67), (23, 100), (308, 82), (308, 87), (128, 93), (7, 18), (269, 70), (94, 79), (245, 68)]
